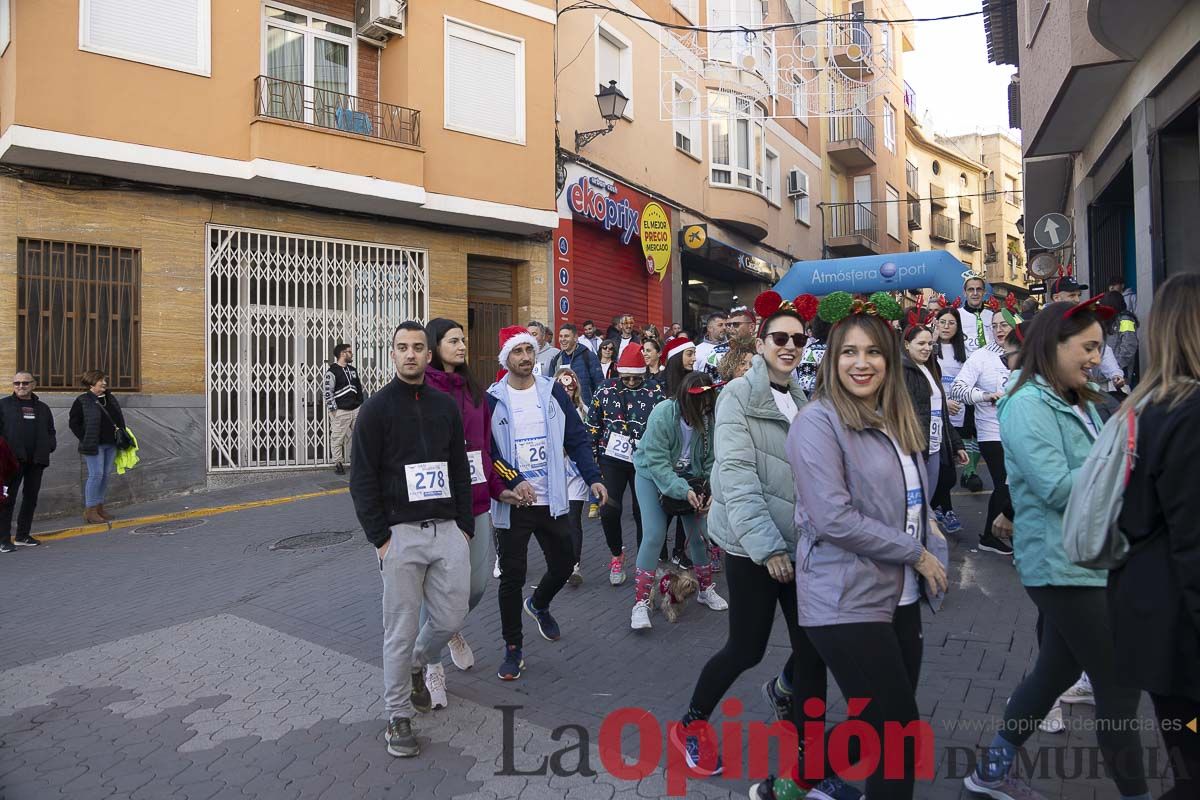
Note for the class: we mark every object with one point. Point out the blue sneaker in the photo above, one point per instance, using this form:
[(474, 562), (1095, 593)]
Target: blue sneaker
[(692, 751), (834, 789), (513, 663), (547, 626), (951, 523)]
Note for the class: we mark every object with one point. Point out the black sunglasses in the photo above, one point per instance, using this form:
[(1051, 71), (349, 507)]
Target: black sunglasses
[(780, 338), (22, 383)]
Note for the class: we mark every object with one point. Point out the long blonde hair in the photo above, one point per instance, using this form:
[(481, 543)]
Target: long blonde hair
[(895, 415), (1172, 344)]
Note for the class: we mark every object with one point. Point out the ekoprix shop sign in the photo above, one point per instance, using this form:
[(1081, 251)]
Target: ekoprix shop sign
[(933, 269), (594, 197)]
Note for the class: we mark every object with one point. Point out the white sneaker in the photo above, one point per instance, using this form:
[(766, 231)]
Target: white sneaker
[(496, 569), (1053, 723), (1081, 692), (616, 570), (435, 682), (710, 598), (640, 619), (460, 652)]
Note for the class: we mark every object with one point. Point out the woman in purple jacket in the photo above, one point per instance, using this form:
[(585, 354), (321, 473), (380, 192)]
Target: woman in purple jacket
[(448, 372)]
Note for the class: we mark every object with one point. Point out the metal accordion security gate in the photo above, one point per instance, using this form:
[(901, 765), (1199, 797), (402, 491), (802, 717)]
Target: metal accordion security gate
[(277, 304)]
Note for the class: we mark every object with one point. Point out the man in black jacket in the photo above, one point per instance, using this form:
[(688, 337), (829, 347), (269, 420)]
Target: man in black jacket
[(28, 426), (411, 486)]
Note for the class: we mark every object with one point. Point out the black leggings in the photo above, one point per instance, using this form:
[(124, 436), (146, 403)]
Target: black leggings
[(575, 522), (1000, 502), (1183, 746), (617, 476), (941, 495), (880, 661), (1076, 637), (753, 594)]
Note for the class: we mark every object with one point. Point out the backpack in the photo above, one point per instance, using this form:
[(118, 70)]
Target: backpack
[(1091, 536)]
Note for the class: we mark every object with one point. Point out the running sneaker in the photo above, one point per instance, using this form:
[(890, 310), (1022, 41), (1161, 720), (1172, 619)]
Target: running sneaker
[(833, 789), (640, 618), (576, 577), (435, 681), (26, 541), (616, 570), (684, 562), (400, 739), (461, 653), (1010, 787), (1081, 692), (952, 523), (1053, 721), (940, 517), (696, 752), (7, 547), (593, 511), (777, 789), (420, 692), (994, 544), (547, 626), (781, 704), (510, 668), (496, 569), (972, 483), (709, 597)]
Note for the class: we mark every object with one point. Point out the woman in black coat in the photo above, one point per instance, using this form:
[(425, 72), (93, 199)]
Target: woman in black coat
[(94, 419), (1154, 597), (924, 381)]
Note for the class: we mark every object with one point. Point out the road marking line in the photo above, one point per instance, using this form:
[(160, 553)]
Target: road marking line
[(87, 530)]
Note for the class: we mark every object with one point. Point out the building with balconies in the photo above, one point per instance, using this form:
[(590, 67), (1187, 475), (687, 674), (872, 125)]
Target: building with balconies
[(1108, 111), (1004, 249), (202, 198)]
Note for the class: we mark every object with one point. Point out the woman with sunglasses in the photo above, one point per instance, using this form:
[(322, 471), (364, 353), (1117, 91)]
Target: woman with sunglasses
[(577, 488), (752, 520), (673, 461), (1049, 422), (608, 358), (951, 351), (980, 384)]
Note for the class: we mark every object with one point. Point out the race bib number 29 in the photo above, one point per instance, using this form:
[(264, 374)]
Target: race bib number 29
[(427, 481), (619, 446)]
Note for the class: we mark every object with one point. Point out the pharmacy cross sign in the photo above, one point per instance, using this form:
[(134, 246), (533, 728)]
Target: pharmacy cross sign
[(1053, 231)]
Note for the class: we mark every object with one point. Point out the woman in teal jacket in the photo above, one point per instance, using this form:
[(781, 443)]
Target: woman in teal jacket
[(676, 445), (1048, 422)]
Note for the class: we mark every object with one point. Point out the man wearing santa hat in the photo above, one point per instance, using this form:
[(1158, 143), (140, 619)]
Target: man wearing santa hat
[(536, 429), (617, 420)]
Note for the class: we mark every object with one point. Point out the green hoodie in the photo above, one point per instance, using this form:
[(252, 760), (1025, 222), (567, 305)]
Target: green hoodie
[(660, 447), (1045, 444)]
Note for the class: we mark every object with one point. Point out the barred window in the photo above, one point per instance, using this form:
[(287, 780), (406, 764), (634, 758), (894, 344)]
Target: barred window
[(79, 308)]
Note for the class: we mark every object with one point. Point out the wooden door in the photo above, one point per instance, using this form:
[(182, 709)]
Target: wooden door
[(490, 307)]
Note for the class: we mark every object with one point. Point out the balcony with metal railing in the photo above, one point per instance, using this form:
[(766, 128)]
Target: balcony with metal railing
[(850, 44), (311, 106), (911, 178), (941, 228), (966, 204), (852, 140), (968, 236), (937, 195), (852, 229), (914, 215)]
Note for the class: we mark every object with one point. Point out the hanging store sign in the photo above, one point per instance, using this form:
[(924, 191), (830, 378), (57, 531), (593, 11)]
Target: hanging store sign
[(656, 239), (595, 198)]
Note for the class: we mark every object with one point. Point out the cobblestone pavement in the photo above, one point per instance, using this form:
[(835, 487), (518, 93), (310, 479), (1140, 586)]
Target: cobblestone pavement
[(202, 663)]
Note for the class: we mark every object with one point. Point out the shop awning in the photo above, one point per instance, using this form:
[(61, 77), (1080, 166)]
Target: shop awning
[(892, 272)]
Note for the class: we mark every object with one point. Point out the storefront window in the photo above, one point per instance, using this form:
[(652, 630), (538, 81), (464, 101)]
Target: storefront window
[(738, 143)]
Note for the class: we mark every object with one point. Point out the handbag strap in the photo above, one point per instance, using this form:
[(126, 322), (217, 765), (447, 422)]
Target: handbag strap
[(104, 409)]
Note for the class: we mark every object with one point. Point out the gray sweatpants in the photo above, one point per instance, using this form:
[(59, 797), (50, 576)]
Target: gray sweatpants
[(426, 562)]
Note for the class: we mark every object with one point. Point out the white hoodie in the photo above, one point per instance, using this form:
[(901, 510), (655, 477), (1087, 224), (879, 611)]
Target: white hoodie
[(983, 374)]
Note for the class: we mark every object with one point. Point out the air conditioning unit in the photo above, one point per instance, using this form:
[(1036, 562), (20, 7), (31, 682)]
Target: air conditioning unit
[(797, 183), (377, 20)]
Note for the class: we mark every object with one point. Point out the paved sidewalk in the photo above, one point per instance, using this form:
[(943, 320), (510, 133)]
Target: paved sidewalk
[(200, 662)]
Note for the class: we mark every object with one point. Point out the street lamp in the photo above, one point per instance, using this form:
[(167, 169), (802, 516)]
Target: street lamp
[(612, 106)]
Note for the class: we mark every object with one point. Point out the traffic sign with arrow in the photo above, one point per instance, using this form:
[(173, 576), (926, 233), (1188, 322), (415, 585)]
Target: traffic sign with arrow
[(1053, 231)]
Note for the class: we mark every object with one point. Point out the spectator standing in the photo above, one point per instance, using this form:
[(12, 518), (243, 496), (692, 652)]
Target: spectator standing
[(27, 425), (411, 487), (582, 361), (98, 424), (343, 396), (1065, 289), (608, 360), (714, 335), (545, 350), (591, 339)]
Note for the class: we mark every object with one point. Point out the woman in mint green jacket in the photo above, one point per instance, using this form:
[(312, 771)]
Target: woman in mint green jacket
[(676, 445), (1048, 422)]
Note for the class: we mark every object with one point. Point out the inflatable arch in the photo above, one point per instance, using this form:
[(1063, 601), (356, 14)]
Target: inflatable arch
[(927, 269)]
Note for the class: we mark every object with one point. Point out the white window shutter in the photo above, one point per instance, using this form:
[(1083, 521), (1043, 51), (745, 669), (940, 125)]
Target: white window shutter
[(484, 83), (167, 33)]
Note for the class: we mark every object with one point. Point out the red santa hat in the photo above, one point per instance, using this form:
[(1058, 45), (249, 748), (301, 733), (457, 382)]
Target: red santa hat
[(676, 345), (511, 337), (632, 361)]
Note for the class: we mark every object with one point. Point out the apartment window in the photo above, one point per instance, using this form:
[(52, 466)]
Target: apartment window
[(737, 145), (800, 199), (5, 23), (686, 118), (78, 308), (743, 48), (889, 126), (688, 8), (1010, 190), (772, 176), (614, 62), (485, 83), (165, 33), (309, 61), (801, 96), (893, 212), (885, 44)]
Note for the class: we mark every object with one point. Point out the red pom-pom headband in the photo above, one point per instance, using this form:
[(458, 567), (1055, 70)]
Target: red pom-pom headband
[(770, 302), (1093, 304)]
